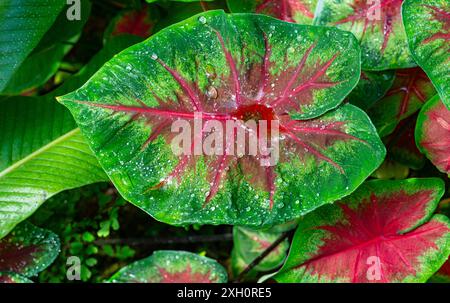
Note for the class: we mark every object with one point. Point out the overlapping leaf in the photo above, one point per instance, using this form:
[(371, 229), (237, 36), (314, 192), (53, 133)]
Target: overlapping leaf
[(28, 250), (172, 267), (433, 133), (230, 67), (383, 232), (299, 11), (23, 23), (11, 277), (411, 89), (427, 25), (377, 25)]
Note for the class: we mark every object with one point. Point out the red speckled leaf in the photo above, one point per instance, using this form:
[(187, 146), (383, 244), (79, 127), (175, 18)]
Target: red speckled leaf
[(377, 24), (411, 89), (299, 11), (383, 232), (433, 133), (28, 250), (172, 267)]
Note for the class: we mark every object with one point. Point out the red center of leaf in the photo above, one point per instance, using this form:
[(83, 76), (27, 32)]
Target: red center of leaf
[(186, 276), (284, 9)]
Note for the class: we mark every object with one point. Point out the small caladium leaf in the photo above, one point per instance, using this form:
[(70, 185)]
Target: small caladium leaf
[(383, 232), (299, 11), (427, 25), (377, 25), (172, 267), (372, 86), (391, 169), (411, 89), (11, 277), (227, 68), (139, 22), (28, 250), (401, 144), (249, 244), (433, 133)]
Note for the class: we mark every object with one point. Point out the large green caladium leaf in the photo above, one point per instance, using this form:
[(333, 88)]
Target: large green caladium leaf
[(372, 86), (22, 25), (411, 89), (383, 232), (249, 244), (42, 152), (427, 25), (167, 266), (230, 67), (45, 59), (11, 277), (433, 133), (28, 250), (377, 25), (299, 11)]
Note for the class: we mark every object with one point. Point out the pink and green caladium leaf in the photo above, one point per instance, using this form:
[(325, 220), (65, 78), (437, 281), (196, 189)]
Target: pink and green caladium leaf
[(28, 250), (427, 24), (401, 144), (230, 67), (167, 266), (433, 133), (249, 244), (384, 232), (372, 86), (411, 89), (377, 25), (11, 277), (298, 11)]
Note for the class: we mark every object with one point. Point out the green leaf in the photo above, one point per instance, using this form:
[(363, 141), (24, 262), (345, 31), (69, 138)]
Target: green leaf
[(433, 133), (167, 266), (376, 24), (11, 277), (230, 66), (22, 24), (384, 232), (299, 11), (427, 25), (41, 150), (45, 59), (372, 86), (28, 250), (249, 244)]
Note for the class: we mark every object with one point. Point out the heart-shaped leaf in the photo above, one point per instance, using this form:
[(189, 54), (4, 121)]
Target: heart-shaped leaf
[(167, 266), (427, 25), (28, 250), (299, 11), (401, 144), (11, 277), (372, 86), (42, 150), (249, 244), (411, 89), (377, 25), (433, 133), (383, 232), (25, 21), (228, 68)]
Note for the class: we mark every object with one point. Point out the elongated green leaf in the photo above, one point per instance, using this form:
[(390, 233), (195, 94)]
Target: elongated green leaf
[(41, 150), (167, 266), (433, 133), (22, 25), (427, 25), (378, 26), (11, 277), (28, 250), (230, 67), (299, 11), (384, 232), (45, 59)]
